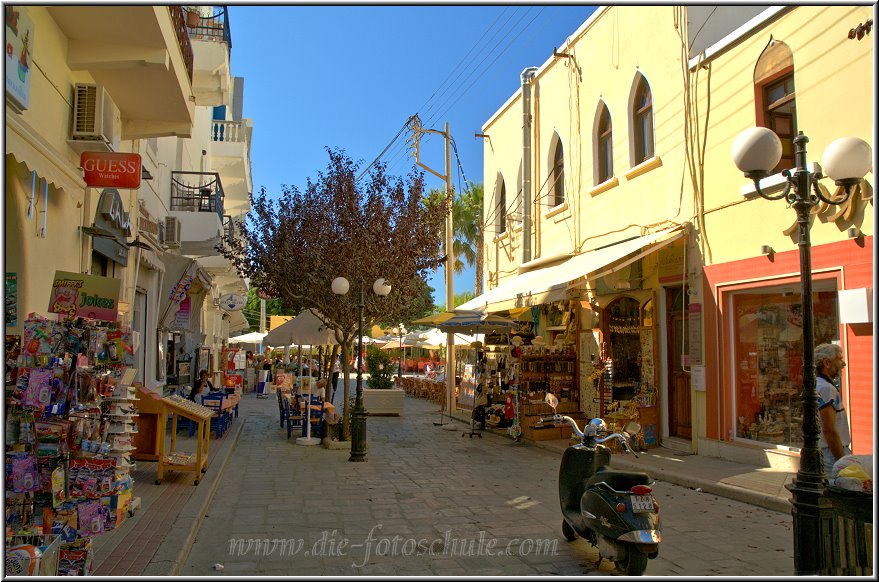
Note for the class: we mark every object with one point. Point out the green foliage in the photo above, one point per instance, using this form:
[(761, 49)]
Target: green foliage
[(251, 309), (378, 366)]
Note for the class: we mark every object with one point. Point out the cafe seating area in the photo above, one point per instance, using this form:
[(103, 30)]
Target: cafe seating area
[(424, 387)]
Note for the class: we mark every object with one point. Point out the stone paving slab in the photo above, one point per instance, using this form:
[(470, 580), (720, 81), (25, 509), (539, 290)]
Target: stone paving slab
[(424, 483)]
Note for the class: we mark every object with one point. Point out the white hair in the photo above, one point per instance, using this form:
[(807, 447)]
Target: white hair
[(825, 353)]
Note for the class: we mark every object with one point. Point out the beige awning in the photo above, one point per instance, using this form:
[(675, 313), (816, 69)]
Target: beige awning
[(551, 283), (37, 155)]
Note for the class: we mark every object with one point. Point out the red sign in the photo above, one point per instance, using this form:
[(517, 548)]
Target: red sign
[(110, 170)]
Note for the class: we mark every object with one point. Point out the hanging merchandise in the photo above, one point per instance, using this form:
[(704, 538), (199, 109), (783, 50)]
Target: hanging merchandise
[(70, 412)]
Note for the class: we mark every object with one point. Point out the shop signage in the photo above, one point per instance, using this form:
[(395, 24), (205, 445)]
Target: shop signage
[(184, 314), (178, 293), (81, 295), (111, 217), (146, 224), (19, 56), (232, 302), (670, 264), (694, 327), (110, 169)]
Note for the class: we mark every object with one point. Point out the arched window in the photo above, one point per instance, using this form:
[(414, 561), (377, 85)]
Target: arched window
[(558, 174), (502, 207), (642, 121), (604, 146), (775, 98)]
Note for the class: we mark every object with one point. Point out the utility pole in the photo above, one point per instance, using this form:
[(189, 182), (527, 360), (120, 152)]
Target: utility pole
[(448, 244)]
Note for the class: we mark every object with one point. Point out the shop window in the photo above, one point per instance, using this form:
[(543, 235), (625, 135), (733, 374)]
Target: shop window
[(775, 97), (642, 122), (603, 146), (768, 356), (558, 174)]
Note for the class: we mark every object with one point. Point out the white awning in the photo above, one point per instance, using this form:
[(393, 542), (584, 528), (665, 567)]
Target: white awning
[(237, 322), (551, 283)]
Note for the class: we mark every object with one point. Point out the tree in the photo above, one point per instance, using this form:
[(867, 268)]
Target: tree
[(380, 227)]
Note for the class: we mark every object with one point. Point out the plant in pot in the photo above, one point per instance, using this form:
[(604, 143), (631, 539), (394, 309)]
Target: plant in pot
[(378, 366), (193, 16)]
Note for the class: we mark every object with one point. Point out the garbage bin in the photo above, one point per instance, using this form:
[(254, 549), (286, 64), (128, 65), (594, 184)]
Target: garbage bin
[(852, 531)]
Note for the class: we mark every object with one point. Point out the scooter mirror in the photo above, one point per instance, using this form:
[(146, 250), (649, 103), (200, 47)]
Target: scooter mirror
[(633, 428), (552, 400)]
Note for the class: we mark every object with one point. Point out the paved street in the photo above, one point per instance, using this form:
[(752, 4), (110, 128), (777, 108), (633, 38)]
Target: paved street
[(429, 502)]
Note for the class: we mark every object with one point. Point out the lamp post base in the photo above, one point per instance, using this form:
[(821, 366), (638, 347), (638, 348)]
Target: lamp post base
[(813, 528), (358, 434)]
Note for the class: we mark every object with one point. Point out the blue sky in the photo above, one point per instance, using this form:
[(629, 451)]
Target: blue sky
[(350, 77)]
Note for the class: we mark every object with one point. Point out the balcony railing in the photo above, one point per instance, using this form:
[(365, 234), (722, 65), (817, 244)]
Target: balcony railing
[(179, 20), (229, 131), (197, 192), (214, 28)]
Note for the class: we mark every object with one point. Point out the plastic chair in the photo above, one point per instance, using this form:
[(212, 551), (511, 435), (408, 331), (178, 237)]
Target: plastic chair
[(218, 421), (292, 416), (317, 416)]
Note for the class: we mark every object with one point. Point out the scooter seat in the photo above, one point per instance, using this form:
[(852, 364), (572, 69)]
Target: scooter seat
[(619, 480)]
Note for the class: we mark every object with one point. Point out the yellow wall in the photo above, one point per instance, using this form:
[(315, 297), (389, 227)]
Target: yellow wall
[(834, 84), (619, 43)]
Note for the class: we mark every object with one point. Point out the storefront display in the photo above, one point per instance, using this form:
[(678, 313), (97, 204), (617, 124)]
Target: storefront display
[(769, 356), (69, 416)]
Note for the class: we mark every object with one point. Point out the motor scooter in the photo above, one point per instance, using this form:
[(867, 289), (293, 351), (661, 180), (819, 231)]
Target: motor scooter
[(613, 510)]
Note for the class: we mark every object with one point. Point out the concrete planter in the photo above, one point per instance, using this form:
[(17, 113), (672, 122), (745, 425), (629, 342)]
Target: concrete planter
[(387, 402)]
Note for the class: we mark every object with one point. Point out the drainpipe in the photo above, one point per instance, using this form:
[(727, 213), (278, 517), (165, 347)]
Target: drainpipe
[(527, 77)]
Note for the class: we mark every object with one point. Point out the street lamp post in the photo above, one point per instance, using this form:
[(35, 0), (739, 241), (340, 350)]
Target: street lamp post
[(401, 329), (340, 286), (756, 152)]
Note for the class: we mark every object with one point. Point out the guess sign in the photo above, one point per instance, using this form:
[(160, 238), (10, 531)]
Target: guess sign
[(110, 170)]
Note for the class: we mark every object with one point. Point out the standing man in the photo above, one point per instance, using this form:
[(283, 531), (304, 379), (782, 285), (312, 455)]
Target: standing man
[(835, 441)]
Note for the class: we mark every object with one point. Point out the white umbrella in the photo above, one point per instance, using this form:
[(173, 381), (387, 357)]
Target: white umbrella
[(304, 329), (253, 337)]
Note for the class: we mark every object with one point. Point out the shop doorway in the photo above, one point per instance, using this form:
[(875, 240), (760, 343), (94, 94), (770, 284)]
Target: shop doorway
[(139, 325), (679, 423)]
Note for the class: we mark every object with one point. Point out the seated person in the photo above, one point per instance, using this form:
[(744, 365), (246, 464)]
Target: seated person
[(200, 385)]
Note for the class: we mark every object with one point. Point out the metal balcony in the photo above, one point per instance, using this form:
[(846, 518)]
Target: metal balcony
[(212, 45), (197, 192)]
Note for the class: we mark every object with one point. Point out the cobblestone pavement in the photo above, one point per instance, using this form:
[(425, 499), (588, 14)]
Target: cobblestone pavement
[(431, 502)]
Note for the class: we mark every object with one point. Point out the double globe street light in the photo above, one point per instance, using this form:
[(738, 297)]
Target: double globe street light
[(756, 151), (340, 286)]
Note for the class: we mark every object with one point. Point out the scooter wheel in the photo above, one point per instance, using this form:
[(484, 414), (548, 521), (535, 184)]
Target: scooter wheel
[(568, 531), (635, 562)]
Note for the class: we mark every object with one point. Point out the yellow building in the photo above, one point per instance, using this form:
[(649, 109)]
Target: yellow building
[(137, 80), (611, 194)]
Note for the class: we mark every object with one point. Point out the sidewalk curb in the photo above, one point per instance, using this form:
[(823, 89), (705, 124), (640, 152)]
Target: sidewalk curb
[(185, 529)]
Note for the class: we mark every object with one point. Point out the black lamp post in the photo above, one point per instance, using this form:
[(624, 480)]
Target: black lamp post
[(340, 286), (401, 329), (756, 152)]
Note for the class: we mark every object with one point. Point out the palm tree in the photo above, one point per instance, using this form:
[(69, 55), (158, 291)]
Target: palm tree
[(468, 229)]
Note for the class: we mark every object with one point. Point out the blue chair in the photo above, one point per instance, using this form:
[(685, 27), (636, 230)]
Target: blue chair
[(292, 416), (218, 421), (316, 417)]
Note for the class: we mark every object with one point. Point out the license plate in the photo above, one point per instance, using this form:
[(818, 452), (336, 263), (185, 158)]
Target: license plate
[(641, 503)]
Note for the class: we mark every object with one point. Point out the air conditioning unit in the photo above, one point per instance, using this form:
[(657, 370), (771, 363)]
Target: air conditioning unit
[(96, 120), (172, 232)]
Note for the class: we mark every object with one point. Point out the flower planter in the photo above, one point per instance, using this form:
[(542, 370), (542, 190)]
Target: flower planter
[(192, 18), (384, 402)]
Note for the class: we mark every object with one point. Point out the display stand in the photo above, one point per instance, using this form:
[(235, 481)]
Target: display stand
[(307, 439), (262, 388), (152, 423)]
